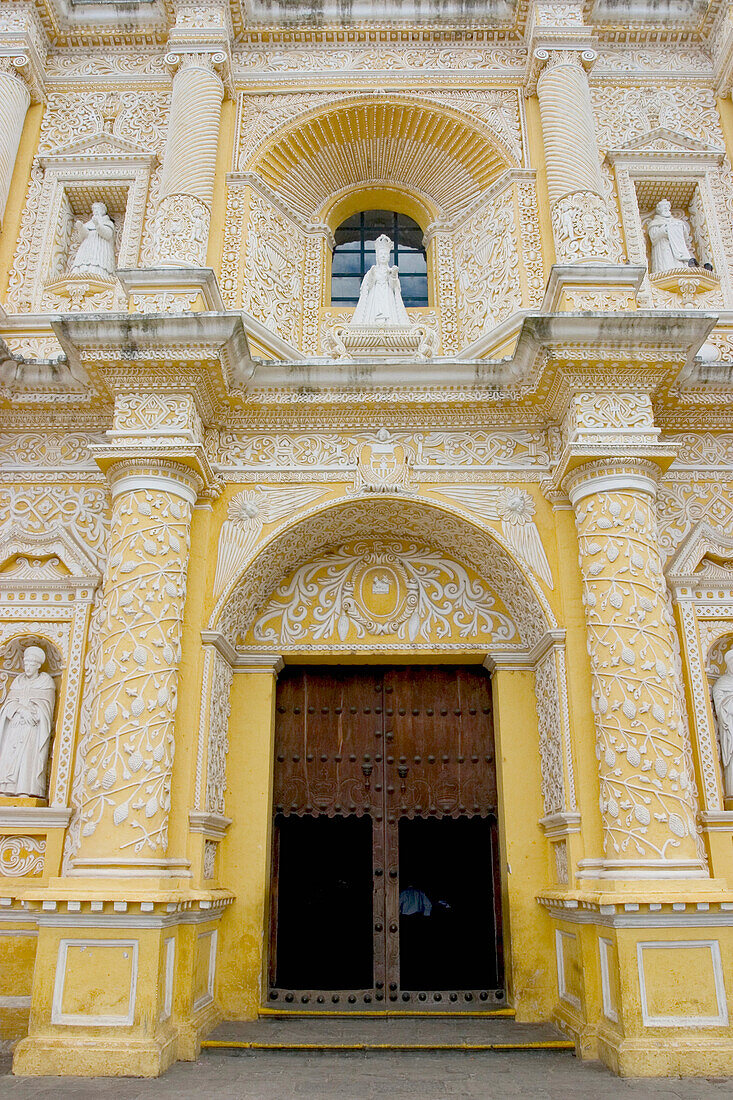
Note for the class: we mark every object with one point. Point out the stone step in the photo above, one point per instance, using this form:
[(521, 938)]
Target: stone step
[(386, 1033)]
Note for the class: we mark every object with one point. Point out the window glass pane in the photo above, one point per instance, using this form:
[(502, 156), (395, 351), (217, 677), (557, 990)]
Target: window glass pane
[(411, 263), (351, 223), (348, 238), (346, 263), (379, 221), (345, 289), (411, 238)]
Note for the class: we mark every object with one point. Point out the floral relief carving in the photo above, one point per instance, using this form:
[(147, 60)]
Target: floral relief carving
[(22, 856), (518, 449), (487, 265), (647, 795), (375, 58), (83, 510), (684, 500), (182, 230), (272, 275), (401, 590), (623, 113), (584, 228), (248, 513), (129, 749), (413, 519), (219, 711), (59, 450), (550, 731), (515, 509)]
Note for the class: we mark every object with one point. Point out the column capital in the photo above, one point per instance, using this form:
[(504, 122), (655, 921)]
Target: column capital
[(202, 37), (547, 52), (156, 442), (721, 42), (611, 474), (24, 49)]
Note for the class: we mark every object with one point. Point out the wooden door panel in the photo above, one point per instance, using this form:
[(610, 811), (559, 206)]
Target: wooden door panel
[(440, 757), (329, 729), (393, 744)]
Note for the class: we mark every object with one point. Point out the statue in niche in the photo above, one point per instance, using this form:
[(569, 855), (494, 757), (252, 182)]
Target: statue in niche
[(96, 255), (670, 240), (380, 298), (26, 722), (723, 700)]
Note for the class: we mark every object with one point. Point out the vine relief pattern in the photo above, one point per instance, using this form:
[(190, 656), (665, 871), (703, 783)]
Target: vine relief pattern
[(129, 750), (219, 711), (272, 279), (399, 590), (386, 520), (487, 266), (647, 797), (550, 730)]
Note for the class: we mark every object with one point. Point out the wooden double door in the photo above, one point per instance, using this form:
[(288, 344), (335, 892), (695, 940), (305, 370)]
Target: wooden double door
[(385, 875)]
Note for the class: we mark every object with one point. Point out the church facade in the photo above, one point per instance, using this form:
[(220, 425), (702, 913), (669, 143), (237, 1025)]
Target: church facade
[(366, 523)]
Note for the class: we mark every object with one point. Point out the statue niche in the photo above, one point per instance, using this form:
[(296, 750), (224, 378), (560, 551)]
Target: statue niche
[(96, 253), (26, 726)]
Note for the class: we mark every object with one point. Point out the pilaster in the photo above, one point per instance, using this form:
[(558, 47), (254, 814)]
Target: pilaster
[(199, 58)]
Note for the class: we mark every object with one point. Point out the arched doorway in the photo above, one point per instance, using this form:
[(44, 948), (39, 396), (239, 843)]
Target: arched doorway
[(316, 596)]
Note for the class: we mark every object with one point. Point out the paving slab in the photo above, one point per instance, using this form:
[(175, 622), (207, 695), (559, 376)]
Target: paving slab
[(375, 1076), (384, 1033)]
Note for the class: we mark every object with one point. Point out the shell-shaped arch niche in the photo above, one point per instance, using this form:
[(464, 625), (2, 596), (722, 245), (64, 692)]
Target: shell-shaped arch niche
[(454, 162), (430, 149), (391, 574)]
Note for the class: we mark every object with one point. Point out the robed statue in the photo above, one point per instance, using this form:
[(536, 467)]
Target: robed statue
[(96, 255), (669, 238), (26, 724), (723, 700), (380, 298)]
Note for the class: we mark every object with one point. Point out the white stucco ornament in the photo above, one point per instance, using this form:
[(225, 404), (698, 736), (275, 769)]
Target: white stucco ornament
[(380, 298), (723, 699), (26, 722), (96, 255), (669, 238)]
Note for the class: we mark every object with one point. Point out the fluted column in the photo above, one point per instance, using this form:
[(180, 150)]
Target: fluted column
[(647, 797), (14, 103), (156, 469), (189, 163), (581, 222)]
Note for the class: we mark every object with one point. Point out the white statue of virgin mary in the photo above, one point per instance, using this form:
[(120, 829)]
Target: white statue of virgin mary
[(26, 723), (96, 255), (380, 298)]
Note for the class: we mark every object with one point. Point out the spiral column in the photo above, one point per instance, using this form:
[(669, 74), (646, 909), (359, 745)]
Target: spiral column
[(647, 795), (189, 163), (14, 103), (155, 465), (581, 221)]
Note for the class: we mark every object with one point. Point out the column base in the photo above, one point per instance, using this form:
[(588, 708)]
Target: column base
[(73, 1056), (643, 982), (666, 1057)]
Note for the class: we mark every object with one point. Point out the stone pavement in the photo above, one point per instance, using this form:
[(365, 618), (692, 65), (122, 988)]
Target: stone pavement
[(536, 1075)]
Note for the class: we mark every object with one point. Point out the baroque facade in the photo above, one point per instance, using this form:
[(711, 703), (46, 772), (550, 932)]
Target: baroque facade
[(209, 473)]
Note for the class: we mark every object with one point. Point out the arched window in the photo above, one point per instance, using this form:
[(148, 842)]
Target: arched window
[(354, 255)]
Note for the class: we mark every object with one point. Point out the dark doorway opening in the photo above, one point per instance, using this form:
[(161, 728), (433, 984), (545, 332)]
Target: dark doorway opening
[(448, 933), (324, 903)]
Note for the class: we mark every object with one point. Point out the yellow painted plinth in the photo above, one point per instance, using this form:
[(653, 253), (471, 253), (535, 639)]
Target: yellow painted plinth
[(654, 999), (120, 999)]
